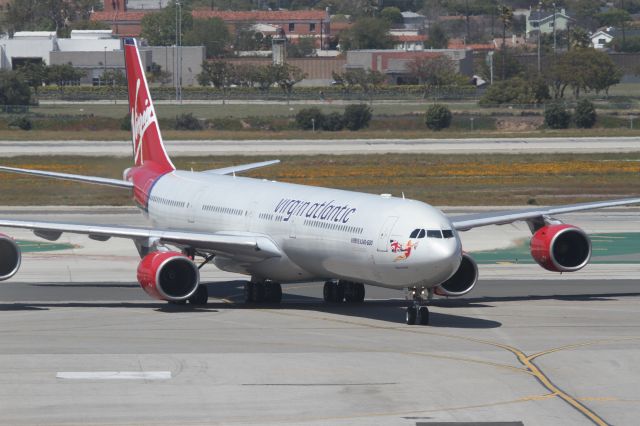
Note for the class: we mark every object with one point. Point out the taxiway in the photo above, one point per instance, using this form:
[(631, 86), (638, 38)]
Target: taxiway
[(82, 344)]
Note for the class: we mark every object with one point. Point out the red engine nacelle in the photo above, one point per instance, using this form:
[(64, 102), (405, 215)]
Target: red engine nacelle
[(463, 281), (168, 276), (10, 257), (561, 248)]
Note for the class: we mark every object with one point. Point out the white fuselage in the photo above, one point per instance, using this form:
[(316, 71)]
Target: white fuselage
[(322, 233)]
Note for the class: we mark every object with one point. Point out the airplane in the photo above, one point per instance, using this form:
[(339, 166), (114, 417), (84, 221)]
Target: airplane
[(277, 232)]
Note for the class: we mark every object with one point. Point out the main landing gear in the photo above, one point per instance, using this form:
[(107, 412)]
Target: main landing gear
[(339, 291), (262, 292), (418, 312)]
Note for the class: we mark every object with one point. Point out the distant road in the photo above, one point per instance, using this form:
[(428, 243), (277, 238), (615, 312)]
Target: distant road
[(338, 147)]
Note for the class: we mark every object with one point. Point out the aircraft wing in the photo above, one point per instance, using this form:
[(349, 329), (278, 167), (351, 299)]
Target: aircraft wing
[(67, 176), (242, 167), (466, 222), (242, 244)]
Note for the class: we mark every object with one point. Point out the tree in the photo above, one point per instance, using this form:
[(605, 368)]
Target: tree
[(433, 72), (393, 15), (579, 38), (304, 47), (517, 90), (34, 73), (13, 89), (367, 33), (245, 75), (583, 70), (357, 116), (437, 37), (63, 75), (309, 118), (585, 114), (512, 67), (158, 75), (438, 117), (212, 33), (506, 16), (113, 78), (216, 73), (159, 28), (367, 80), (556, 116), (46, 15), (286, 76)]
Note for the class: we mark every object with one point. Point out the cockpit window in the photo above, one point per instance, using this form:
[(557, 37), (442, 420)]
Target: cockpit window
[(434, 233), (414, 233), (447, 233), (421, 234)]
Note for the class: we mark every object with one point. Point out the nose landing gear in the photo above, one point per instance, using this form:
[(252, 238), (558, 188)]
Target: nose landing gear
[(418, 312)]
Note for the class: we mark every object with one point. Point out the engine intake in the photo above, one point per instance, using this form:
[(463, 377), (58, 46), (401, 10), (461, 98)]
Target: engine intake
[(168, 276), (462, 282), (561, 248), (10, 257)]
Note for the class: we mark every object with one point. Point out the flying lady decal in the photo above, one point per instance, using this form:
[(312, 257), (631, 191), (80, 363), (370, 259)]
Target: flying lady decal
[(403, 250)]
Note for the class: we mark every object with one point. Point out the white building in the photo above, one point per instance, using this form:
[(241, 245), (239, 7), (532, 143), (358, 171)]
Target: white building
[(27, 46), (600, 39)]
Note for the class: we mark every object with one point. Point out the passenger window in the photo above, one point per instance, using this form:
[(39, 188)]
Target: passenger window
[(432, 233), (414, 233), (447, 233), (421, 234)]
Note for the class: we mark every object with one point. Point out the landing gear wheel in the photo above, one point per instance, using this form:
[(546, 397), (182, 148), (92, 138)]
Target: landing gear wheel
[(201, 296), (273, 292), (412, 313), (249, 289), (177, 302), (259, 293), (332, 292), (423, 315), (359, 292)]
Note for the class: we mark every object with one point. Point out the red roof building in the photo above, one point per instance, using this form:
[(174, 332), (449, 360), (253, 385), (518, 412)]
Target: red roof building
[(295, 23)]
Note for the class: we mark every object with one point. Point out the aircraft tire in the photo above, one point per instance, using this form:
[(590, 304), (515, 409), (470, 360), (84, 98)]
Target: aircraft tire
[(249, 288), (274, 292), (327, 291), (423, 315), (201, 296), (359, 292), (412, 313)]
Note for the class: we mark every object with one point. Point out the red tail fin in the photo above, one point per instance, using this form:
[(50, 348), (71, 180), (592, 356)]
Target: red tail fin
[(147, 140)]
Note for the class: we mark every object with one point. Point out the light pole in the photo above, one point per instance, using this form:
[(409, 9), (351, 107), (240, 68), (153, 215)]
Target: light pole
[(104, 73), (539, 35), (178, 52), (554, 28)]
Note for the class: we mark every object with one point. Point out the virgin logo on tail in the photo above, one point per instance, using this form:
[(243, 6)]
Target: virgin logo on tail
[(140, 122)]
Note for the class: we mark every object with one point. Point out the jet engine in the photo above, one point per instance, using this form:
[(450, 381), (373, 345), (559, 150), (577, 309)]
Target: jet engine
[(561, 248), (168, 276), (10, 257), (462, 282)]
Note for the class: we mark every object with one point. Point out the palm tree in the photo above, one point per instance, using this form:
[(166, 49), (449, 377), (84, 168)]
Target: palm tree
[(506, 16)]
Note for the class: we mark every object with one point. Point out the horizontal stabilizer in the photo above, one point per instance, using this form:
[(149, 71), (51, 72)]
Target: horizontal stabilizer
[(242, 167), (78, 178)]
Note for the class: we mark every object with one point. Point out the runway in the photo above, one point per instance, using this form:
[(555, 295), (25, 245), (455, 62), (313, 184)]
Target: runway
[(186, 148), (82, 344)]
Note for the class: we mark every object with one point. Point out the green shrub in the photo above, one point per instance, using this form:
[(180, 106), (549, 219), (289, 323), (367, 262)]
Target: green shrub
[(515, 90), (333, 122), (585, 114), (226, 123), (556, 116), (357, 117), (309, 118), (187, 122), (438, 117), (22, 122)]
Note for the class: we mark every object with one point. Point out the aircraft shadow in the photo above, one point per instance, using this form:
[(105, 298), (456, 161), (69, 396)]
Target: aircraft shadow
[(484, 302)]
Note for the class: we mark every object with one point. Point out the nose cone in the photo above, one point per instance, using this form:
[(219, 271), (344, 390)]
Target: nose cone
[(441, 260)]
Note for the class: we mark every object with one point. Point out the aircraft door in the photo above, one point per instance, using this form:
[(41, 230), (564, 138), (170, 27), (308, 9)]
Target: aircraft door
[(195, 205), (385, 233)]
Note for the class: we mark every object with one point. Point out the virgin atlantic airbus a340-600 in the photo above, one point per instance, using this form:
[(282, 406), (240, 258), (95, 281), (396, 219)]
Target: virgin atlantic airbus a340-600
[(282, 233)]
